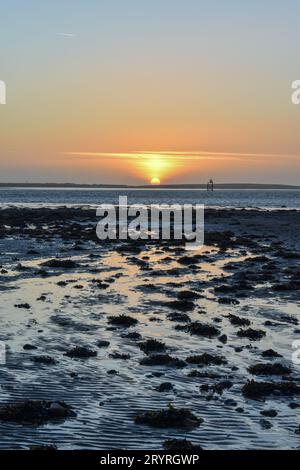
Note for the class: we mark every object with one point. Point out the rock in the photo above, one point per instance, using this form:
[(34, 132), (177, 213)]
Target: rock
[(170, 417), (199, 329), (29, 347), (222, 385), (206, 359), (162, 360), (259, 390), (238, 321), (122, 321), (230, 402), (100, 284), (47, 360), (81, 352), (287, 286), (269, 413), (60, 263), (293, 405), (102, 343), (223, 339), (35, 411), (265, 424), (269, 369), (228, 301), (133, 335), (165, 387), (188, 260), (250, 333), (270, 353), (32, 252), (179, 317), (152, 345), (258, 259), (25, 306), (240, 410), (183, 305), (42, 298), (187, 295), (117, 355)]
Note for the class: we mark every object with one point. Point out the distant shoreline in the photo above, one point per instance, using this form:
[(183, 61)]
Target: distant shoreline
[(162, 186)]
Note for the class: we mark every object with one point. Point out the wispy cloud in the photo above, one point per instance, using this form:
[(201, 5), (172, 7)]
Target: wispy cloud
[(67, 35), (184, 156)]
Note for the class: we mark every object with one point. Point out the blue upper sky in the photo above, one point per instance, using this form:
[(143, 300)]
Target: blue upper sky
[(125, 75)]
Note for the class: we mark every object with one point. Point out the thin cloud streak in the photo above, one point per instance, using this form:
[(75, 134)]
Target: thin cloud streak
[(179, 155), (68, 35)]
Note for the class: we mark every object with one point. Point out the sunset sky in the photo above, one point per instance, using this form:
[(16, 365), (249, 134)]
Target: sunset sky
[(124, 91)]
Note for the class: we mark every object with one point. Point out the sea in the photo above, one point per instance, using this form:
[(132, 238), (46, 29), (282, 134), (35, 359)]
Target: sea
[(228, 198)]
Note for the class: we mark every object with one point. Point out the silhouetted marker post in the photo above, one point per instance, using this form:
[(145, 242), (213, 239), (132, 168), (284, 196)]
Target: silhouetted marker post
[(210, 185)]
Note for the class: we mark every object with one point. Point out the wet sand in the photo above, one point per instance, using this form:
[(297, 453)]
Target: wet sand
[(215, 315)]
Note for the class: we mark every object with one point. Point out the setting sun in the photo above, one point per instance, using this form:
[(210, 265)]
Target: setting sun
[(155, 181)]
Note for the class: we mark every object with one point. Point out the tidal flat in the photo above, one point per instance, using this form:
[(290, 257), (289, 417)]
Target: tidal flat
[(143, 345)]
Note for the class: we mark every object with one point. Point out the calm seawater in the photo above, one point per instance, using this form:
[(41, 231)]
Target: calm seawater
[(218, 198)]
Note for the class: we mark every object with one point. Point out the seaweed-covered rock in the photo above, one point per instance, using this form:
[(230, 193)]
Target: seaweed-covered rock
[(116, 355), (170, 417), (250, 333), (238, 321), (162, 360), (101, 343), (165, 387), (287, 286), (270, 353), (152, 345), (179, 317), (182, 305), (29, 347), (269, 413), (200, 329), (223, 339), (206, 359), (228, 301), (47, 360), (265, 424), (133, 335), (35, 411), (222, 385), (123, 321), (259, 390), (81, 352), (187, 295), (60, 263), (269, 369), (25, 306)]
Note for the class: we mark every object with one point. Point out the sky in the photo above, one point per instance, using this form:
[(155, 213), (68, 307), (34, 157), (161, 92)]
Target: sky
[(115, 91)]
